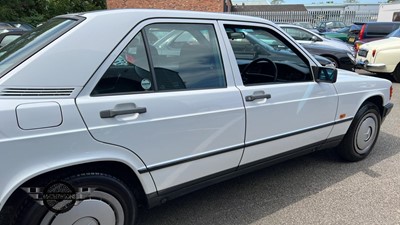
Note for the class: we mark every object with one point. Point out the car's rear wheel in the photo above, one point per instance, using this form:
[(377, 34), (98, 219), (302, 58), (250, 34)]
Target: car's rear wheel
[(396, 73), (101, 199), (362, 134)]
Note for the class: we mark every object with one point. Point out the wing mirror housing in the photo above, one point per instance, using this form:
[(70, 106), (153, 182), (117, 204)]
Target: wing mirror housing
[(314, 39), (325, 74), (236, 35)]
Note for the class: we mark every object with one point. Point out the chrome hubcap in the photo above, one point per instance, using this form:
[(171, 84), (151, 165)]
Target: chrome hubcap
[(100, 209), (366, 133)]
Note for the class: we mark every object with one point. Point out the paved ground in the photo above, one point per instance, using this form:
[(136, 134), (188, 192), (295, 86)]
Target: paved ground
[(315, 189)]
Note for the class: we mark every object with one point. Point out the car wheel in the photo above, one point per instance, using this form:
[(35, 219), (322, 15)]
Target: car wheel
[(396, 73), (362, 134), (334, 61), (109, 202)]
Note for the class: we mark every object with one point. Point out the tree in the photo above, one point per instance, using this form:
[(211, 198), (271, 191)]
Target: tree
[(38, 11)]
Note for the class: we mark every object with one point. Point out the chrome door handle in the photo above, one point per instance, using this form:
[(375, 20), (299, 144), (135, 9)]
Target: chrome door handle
[(115, 112), (251, 98)]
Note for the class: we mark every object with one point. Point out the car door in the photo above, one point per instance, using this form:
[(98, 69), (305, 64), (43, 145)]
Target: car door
[(287, 112), (185, 119)]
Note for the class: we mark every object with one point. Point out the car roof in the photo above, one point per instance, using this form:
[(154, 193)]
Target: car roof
[(160, 13), (95, 24)]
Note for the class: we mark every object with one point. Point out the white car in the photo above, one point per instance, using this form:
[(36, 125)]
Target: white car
[(381, 56), (95, 122)]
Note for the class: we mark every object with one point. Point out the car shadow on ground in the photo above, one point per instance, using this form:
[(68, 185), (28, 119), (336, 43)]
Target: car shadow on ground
[(248, 198)]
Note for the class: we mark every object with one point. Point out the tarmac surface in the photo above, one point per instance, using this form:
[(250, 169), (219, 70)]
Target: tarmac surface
[(318, 188)]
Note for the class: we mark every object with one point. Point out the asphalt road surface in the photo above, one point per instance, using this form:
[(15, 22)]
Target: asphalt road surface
[(318, 188)]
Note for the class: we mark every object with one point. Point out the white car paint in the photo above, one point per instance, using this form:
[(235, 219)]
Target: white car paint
[(386, 57), (184, 135)]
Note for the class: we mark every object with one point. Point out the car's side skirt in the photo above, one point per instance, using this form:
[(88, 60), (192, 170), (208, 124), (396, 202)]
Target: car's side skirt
[(162, 196)]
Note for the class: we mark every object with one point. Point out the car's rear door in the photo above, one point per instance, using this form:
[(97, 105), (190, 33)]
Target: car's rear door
[(287, 112), (166, 95)]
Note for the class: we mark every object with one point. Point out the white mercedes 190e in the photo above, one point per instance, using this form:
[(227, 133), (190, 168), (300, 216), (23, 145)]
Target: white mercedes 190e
[(95, 122)]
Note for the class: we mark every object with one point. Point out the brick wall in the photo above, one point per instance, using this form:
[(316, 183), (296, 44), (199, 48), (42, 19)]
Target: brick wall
[(196, 5)]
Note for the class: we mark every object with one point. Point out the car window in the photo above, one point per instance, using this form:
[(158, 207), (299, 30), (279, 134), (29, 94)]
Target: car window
[(166, 57), (298, 34), (129, 73), (380, 29), (17, 51), (8, 39), (188, 56), (395, 33), (264, 57)]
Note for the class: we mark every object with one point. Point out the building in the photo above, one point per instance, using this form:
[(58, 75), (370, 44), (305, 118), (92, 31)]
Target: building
[(196, 5), (269, 8)]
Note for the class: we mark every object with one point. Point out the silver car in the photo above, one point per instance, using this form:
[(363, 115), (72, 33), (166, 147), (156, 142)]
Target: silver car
[(96, 122), (305, 36)]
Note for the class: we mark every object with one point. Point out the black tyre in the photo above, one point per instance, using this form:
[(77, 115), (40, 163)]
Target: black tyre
[(362, 134), (396, 73), (110, 202)]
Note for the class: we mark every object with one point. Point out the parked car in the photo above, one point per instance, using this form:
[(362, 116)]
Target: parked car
[(305, 36), (5, 27), (166, 43), (340, 59), (306, 25), (372, 31), (382, 56), (22, 26), (85, 140), (340, 34), (329, 26), (354, 31), (8, 37)]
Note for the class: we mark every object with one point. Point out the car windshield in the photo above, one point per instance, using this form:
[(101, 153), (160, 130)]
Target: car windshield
[(305, 25), (29, 43), (395, 33)]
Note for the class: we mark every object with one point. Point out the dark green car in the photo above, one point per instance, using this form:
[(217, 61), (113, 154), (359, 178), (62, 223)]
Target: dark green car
[(339, 34)]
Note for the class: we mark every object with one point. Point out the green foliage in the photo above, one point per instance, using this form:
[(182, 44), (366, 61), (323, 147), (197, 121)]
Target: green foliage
[(38, 11)]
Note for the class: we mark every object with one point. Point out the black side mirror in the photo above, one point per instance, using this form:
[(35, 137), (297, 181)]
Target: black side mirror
[(325, 74), (236, 35)]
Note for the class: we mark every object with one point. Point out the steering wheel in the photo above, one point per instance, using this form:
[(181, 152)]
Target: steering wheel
[(273, 75)]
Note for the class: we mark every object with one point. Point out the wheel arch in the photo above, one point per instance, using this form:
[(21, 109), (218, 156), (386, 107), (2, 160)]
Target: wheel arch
[(332, 57), (377, 100), (117, 169)]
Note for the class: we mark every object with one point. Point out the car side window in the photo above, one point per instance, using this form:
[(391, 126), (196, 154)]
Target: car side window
[(299, 34), (264, 57), (129, 73), (186, 56)]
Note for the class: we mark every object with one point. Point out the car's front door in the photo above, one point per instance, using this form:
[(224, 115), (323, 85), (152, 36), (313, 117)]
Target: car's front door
[(286, 110), (164, 95)]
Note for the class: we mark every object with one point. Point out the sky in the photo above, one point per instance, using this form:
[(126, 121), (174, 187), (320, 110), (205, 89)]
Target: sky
[(306, 2)]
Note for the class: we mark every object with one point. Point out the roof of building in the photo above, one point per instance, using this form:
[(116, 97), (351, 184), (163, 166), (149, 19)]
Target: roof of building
[(270, 8)]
